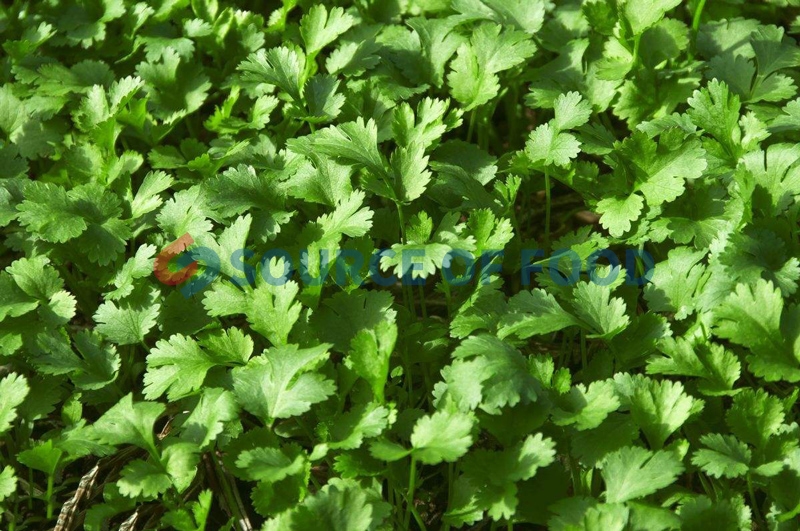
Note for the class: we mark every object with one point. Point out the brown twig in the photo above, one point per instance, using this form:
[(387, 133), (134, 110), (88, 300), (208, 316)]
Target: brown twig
[(68, 511), (130, 522)]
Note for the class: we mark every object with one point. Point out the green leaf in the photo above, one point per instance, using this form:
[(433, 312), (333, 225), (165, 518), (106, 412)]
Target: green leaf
[(534, 312), (473, 78), (751, 316), (129, 321), (241, 188), (282, 383), (192, 518), (717, 367), (522, 14), (409, 172), (369, 355), (206, 421), (272, 311), (143, 478), (326, 182), (492, 475), (95, 368), (178, 365), (43, 457), (341, 506), (443, 436), (660, 408), (646, 13), (272, 464), (755, 417), (147, 198), (13, 390), (49, 212), (634, 472), (176, 86), (593, 305), (616, 431), (352, 142), (701, 513), (349, 431), (571, 111), (724, 457), (773, 52), (499, 369), (129, 423), (319, 28), (617, 213), (661, 169), (344, 315), (674, 286), (283, 67), (586, 408), (322, 101), (8, 483), (716, 110), (548, 146)]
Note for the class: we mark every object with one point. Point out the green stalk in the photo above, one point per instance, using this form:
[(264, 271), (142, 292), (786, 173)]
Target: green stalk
[(756, 510), (190, 127), (408, 292), (577, 484), (637, 40), (418, 519), (547, 208), (50, 483), (448, 298), (12, 526), (584, 357), (412, 304), (422, 301), (471, 127), (402, 219), (639, 265), (412, 479), (698, 14), (232, 499), (450, 474)]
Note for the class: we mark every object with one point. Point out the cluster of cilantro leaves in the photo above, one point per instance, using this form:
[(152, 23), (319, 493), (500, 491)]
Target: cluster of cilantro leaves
[(424, 127)]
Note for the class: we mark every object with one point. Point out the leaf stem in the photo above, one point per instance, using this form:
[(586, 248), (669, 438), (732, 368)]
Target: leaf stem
[(637, 41), (698, 14), (30, 481), (547, 208), (50, 483), (450, 475), (408, 291), (584, 357), (756, 510), (471, 127), (412, 478)]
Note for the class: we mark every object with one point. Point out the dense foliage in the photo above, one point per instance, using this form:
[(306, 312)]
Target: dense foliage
[(428, 128)]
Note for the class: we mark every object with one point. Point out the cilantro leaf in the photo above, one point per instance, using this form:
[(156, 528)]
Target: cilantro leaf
[(751, 316), (724, 456), (442, 436), (13, 390), (129, 423), (319, 28), (634, 472), (282, 383)]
